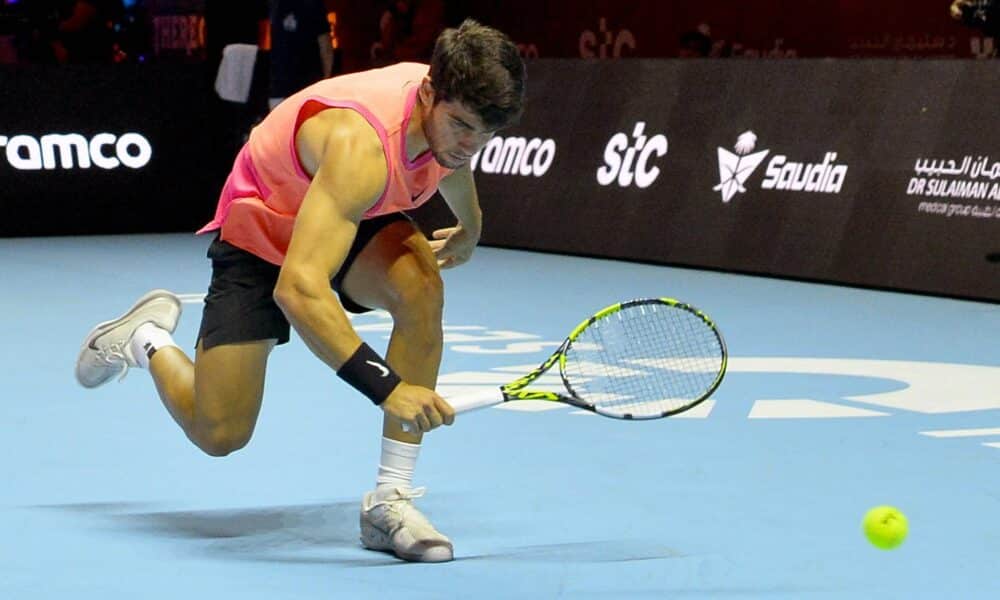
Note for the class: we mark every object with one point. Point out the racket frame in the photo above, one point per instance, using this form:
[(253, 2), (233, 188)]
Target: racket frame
[(518, 389)]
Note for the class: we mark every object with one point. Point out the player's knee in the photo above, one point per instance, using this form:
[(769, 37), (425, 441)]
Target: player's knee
[(419, 296), (222, 440)]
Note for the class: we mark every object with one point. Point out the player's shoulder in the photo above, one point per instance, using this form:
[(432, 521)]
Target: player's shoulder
[(344, 124), (342, 130)]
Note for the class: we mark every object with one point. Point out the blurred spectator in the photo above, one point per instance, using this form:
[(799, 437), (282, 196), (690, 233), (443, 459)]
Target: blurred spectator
[(134, 33), (12, 26), (301, 48), (60, 31), (696, 43), (84, 30), (238, 22), (407, 30), (980, 14), (233, 22)]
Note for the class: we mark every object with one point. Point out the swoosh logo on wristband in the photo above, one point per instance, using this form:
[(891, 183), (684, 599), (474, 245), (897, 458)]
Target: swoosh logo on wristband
[(382, 368)]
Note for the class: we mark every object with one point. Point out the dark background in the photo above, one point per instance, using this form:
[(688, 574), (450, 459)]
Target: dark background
[(854, 90)]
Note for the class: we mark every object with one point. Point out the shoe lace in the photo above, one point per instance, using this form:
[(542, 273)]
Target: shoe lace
[(112, 354), (401, 504)]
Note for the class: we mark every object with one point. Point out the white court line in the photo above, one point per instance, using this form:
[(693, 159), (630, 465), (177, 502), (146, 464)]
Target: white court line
[(191, 298), (806, 409), (953, 433), (992, 444)]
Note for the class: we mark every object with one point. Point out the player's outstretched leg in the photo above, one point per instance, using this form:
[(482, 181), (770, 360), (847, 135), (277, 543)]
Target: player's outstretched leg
[(107, 350), (393, 524), (215, 402)]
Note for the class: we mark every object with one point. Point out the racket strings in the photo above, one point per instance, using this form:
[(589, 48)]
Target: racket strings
[(644, 360)]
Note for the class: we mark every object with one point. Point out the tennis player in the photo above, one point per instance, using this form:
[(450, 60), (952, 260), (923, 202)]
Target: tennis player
[(315, 205)]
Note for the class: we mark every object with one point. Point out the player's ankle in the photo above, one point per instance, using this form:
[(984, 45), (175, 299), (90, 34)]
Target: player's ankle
[(396, 466), (147, 340)]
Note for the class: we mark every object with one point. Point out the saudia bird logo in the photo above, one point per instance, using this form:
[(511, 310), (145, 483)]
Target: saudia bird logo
[(735, 169)]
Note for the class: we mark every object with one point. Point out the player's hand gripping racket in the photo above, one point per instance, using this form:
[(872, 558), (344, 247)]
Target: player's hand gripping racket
[(641, 359)]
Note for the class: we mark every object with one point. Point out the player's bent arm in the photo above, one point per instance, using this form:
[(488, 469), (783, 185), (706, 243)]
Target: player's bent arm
[(459, 192), (350, 177)]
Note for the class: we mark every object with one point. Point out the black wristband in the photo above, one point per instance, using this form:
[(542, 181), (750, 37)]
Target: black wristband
[(366, 372)]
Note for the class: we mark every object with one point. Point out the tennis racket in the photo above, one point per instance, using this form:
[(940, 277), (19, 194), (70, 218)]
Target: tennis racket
[(642, 359)]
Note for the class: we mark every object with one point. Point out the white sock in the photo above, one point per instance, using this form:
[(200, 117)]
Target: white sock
[(396, 467), (147, 339)]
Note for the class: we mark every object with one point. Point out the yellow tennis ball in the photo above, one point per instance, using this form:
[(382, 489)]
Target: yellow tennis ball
[(885, 527)]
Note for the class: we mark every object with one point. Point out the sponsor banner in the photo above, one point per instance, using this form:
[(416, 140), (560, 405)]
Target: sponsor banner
[(27, 153), (873, 173), (969, 188), (109, 149), (861, 172)]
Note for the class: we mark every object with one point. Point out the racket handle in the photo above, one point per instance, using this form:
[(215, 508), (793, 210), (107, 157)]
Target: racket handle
[(475, 400), (471, 401)]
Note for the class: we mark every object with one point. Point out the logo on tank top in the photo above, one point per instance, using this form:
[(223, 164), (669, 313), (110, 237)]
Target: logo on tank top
[(73, 151), (735, 168)]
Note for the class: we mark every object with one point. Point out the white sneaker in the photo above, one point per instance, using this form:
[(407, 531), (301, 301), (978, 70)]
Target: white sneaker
[(106, 352), (395, 525)]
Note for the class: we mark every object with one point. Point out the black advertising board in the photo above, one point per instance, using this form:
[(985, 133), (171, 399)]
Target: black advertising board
[(879, 173), (874, 173), (109, 149)]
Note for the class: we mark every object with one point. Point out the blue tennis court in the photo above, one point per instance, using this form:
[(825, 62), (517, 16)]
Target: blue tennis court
[(836, 400)]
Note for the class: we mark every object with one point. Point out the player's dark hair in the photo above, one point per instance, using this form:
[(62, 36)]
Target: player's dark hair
[(481, 68)]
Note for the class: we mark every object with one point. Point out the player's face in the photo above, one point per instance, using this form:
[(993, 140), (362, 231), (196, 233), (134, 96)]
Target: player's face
[(454, 134)]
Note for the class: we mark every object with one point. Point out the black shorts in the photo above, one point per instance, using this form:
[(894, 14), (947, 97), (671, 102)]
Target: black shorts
[(240, 306)]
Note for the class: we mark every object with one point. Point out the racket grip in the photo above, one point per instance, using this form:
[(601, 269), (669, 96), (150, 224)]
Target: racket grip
[(475, 400), (471, 401)]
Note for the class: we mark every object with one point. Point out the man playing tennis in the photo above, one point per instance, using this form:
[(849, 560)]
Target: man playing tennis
[(315, 201)]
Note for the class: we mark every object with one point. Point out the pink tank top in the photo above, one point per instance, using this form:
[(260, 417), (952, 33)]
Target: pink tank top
[(261, 197)]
